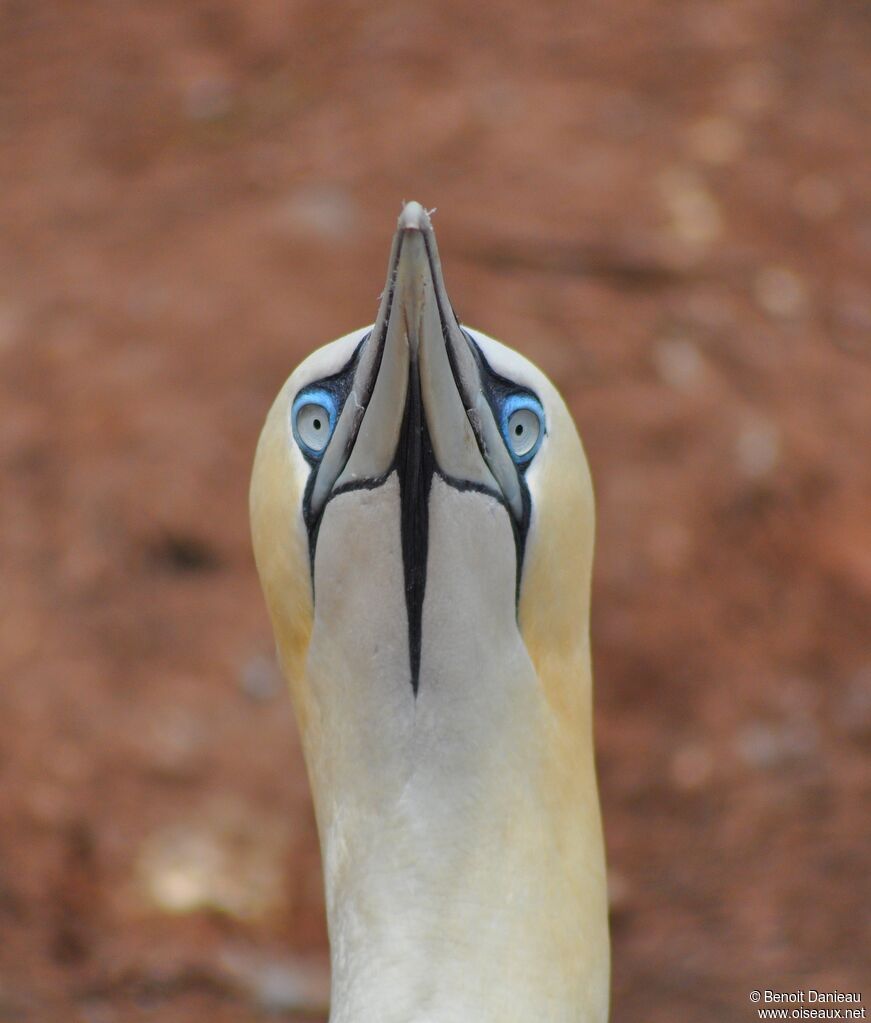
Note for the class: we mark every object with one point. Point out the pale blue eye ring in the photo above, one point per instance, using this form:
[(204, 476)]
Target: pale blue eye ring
[(522, 422), (313, 419)]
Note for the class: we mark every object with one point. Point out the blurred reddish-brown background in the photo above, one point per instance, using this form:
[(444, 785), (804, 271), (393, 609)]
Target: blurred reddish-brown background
[(666, 205)]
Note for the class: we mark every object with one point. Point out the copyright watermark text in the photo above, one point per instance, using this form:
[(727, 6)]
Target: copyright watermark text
[(807, 1003)]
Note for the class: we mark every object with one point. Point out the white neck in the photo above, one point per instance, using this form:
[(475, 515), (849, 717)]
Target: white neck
[(464, 873), (475, 921)]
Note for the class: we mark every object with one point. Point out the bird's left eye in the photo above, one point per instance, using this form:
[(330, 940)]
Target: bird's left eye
[(314, 418), (522, 426)]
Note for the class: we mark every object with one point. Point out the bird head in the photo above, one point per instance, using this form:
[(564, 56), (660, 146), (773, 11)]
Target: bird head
[(423, 518)]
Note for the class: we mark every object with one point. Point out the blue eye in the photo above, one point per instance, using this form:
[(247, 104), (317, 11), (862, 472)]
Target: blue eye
[(313, 418), (522, 421)]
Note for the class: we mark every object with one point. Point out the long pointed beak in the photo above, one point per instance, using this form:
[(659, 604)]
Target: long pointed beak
[(417, 383)]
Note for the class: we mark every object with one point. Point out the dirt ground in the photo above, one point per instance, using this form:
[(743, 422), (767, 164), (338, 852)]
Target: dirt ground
[(668, 206)]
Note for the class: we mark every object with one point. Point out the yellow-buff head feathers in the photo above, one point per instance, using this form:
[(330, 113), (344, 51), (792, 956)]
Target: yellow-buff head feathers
[(423, 523)]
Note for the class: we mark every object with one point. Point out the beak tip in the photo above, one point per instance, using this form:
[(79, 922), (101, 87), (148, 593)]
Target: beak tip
[(414, 217)]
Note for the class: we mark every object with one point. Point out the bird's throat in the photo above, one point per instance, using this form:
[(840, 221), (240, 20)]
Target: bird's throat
[(415, 467)]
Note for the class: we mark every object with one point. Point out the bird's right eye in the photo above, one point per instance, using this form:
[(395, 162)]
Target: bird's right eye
[(313, 418), (522, 426)]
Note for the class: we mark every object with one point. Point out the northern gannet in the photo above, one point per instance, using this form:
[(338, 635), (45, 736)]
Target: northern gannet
[(422, 516)]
